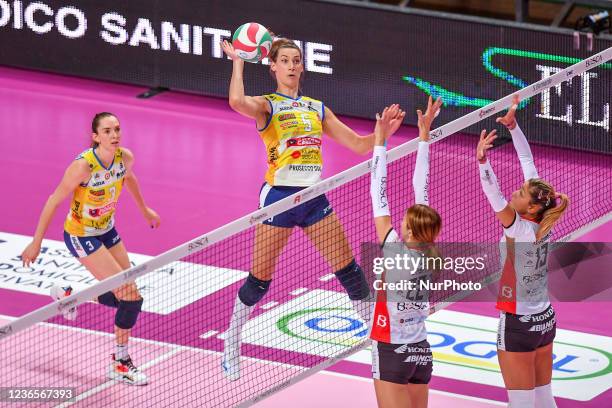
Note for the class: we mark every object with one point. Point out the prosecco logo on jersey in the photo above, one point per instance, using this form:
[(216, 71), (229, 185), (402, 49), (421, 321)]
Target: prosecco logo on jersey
[(286, 116)]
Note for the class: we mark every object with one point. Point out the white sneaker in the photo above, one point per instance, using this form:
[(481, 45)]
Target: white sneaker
[(231, 361), (125, 371), (61, 292)]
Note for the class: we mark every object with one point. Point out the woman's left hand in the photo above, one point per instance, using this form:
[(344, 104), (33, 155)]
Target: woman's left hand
[(152, 217)]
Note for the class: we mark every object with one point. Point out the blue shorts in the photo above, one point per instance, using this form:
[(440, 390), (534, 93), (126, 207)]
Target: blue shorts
[(80, 247), (303, 215)]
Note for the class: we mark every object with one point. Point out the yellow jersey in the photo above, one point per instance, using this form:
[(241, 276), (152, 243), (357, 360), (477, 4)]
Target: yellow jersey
[(92, 211), (293, 139)]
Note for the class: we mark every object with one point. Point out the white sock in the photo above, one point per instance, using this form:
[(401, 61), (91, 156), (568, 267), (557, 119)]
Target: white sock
[(121, 351), (521, 398), (544, 397), (233, 334)]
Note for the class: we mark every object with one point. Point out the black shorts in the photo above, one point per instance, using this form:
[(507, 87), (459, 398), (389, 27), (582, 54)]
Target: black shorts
[(526, 333), (402, 363)]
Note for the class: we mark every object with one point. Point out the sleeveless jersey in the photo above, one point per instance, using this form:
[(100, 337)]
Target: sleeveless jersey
[(293, 139), (393, 321), (93, 204), (523, 287)]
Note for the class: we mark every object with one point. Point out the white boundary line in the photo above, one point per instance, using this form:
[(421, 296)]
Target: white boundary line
[(309, 193)]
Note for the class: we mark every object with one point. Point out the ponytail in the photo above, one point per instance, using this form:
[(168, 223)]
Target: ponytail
[(552, 215)]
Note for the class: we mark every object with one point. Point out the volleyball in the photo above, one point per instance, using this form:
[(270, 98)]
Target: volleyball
[(252, 42)]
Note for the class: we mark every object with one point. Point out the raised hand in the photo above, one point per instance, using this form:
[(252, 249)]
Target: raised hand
[(425, 120), (509, 120), (484, 144), (387, 123), (229, 50)]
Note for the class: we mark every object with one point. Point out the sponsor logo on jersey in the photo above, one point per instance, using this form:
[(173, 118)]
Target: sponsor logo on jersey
[(304, 141), (285, 108), (272, 154), (97, 212), (296, 154), (286, 116), (304, 167), (96, 193), (291, 124), (97, 183)]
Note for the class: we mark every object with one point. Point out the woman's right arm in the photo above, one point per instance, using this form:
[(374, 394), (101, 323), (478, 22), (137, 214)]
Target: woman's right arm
[(505, 214), (254, 107), (77, 172)]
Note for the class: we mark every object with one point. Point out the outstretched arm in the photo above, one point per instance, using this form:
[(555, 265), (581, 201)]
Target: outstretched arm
[(521, 145), (420, 178), (489, 183), (254, 107), (385, 124), (347, 137)]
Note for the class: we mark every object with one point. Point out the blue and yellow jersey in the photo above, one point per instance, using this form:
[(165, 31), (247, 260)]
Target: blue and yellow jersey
[(93, 204), (293, 137)]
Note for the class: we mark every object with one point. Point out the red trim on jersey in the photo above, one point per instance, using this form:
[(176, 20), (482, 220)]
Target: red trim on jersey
[(506, 296), (381, 324)]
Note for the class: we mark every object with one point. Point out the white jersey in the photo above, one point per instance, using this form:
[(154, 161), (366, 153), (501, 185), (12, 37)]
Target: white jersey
[(393, 321), (523, 288)]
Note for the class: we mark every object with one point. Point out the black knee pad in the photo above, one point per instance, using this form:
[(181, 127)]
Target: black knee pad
[(252, 290), (127, 313), (108, 299), (353, 280)]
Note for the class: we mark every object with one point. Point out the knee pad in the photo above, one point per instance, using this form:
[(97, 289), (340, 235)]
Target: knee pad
[(108, 299), (354, 282), (127, 313), (252, 290)]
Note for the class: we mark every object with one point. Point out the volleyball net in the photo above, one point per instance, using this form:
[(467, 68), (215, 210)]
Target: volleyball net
[(306, 322)]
